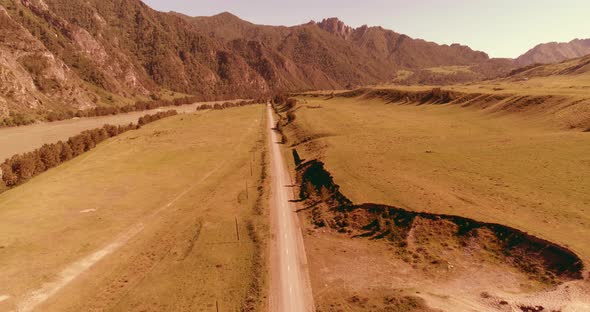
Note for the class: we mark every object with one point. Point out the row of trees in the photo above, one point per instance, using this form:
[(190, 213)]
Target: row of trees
[(17, 119), (114, 110), (139, 106), (21, 167), (219, 106), (157, 116)]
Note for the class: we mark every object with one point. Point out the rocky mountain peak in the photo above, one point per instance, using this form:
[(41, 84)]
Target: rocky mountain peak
[(337, 27)]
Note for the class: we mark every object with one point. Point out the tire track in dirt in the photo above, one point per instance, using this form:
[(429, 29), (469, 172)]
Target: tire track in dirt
[(74, 270), (166, 243), (71, 272), (67, 275), (118, 286)]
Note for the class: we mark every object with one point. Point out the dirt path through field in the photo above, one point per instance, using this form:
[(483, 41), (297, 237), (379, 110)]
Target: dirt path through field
[(75, 269), (290, 284)]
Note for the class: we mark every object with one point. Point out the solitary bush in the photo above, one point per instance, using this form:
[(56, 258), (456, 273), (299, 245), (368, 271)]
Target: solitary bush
[(8, 176), (49, 154), (290, 116), (296, 157), (111, 130), (279, 99), (290, 103), (66, 152)]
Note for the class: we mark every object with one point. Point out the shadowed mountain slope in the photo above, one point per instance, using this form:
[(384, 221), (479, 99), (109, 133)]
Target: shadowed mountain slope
[(63, 55)]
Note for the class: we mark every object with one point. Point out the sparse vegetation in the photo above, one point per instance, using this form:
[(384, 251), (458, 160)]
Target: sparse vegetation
[(16, 119)]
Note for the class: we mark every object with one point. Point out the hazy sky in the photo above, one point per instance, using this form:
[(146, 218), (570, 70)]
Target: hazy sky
[(502, 28)]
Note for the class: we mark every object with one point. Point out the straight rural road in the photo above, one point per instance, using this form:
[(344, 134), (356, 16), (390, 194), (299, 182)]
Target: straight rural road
[(290, 285)]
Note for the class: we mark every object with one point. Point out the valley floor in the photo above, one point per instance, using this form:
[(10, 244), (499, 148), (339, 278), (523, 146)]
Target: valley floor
[(444, 159), (16, 140), (450, 160), (156, 219)]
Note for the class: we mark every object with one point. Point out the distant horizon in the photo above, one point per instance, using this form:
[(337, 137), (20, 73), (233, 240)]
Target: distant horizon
[(420, 20), (368, 25)]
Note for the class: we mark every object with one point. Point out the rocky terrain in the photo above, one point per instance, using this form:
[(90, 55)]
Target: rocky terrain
[(59, 54), (554, 52)]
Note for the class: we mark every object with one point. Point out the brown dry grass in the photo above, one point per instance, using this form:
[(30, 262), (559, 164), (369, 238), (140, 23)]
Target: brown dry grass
[(513, 169), (443, 159), (177, 181), (17, 140)]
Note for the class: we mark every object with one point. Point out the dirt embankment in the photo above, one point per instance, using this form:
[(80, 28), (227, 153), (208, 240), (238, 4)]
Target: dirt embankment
[(424, 239), (565, 112), (419, 236)]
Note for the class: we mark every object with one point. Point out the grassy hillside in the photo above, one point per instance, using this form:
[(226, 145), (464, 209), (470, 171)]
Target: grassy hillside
[(554, 94)]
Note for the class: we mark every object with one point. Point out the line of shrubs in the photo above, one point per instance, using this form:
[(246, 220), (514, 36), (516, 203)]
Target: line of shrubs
[(114, 110), (16, 119), (219, 106), (19, 119), (157, 116), (21, 167), (139, 106)]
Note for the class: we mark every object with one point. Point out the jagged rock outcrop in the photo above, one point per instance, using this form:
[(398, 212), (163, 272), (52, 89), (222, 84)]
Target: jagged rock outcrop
[(335, 26)]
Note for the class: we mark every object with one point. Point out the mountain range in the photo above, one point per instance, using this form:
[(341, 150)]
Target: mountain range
[(554, 52), (62, 55)]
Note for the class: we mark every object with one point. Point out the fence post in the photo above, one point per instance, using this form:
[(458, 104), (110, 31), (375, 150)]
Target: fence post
[(237, 229)]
